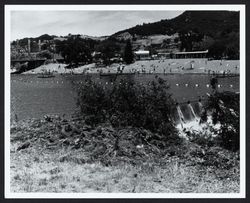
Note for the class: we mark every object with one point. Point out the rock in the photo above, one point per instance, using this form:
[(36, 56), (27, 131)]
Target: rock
[(24, 146)]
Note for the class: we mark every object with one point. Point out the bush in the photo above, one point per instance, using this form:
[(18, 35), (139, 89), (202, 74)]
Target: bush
[(224, 109), (127, 103)]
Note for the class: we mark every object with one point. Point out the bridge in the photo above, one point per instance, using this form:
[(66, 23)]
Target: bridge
[(27, 63)]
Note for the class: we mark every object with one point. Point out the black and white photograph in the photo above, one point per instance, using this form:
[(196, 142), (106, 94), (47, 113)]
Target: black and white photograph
[(142, 101)]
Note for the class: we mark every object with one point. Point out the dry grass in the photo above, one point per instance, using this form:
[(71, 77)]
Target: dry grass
[(60, 168), (46, 170)]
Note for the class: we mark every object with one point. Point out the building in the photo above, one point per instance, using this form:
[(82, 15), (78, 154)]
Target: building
[(162, 55), (142, 55), (191, 54), (60, 39), (58, 58)]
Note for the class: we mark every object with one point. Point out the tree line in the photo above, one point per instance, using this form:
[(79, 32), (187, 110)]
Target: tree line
[(76, 50)]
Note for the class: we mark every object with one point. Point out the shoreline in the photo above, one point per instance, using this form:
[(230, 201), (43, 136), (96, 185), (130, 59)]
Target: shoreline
[(156, 73), (191, 65)]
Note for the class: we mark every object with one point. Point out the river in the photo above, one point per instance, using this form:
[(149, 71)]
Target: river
[(33, 97)]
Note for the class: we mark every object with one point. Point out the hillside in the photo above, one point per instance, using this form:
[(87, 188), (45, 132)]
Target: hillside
[(217, 31), (210, 23)]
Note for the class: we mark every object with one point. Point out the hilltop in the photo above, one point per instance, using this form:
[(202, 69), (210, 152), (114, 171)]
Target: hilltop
[(205, 22)]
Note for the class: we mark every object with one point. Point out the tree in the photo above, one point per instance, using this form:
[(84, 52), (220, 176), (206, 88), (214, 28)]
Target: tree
[(75, 50), (188, 38), (128, 53), (108, 48), (45, 54), (44, 47), (232, 52), (217, 50)]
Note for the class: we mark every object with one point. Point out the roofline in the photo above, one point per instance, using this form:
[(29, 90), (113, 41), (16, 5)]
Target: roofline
[(193, 52)]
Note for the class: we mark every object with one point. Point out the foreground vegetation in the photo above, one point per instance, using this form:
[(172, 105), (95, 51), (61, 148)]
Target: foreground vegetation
[(44, 159), (125, 140)]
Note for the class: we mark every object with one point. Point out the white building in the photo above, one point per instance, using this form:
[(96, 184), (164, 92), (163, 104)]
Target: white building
[(142, 55)]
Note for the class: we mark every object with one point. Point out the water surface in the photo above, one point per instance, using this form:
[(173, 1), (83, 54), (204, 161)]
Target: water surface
[(32, 97)]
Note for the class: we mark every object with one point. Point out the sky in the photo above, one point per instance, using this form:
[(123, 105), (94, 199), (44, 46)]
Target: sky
[(93, 23)]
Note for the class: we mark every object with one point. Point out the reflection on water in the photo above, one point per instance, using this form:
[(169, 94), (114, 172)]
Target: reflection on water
[(34, 97)]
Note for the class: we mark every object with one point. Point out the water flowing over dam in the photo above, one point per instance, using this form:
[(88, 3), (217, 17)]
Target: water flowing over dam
[(187, 112)]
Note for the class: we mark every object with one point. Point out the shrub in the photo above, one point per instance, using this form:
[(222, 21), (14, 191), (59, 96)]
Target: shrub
[(127, 103), (224, 109), (92, 100)]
